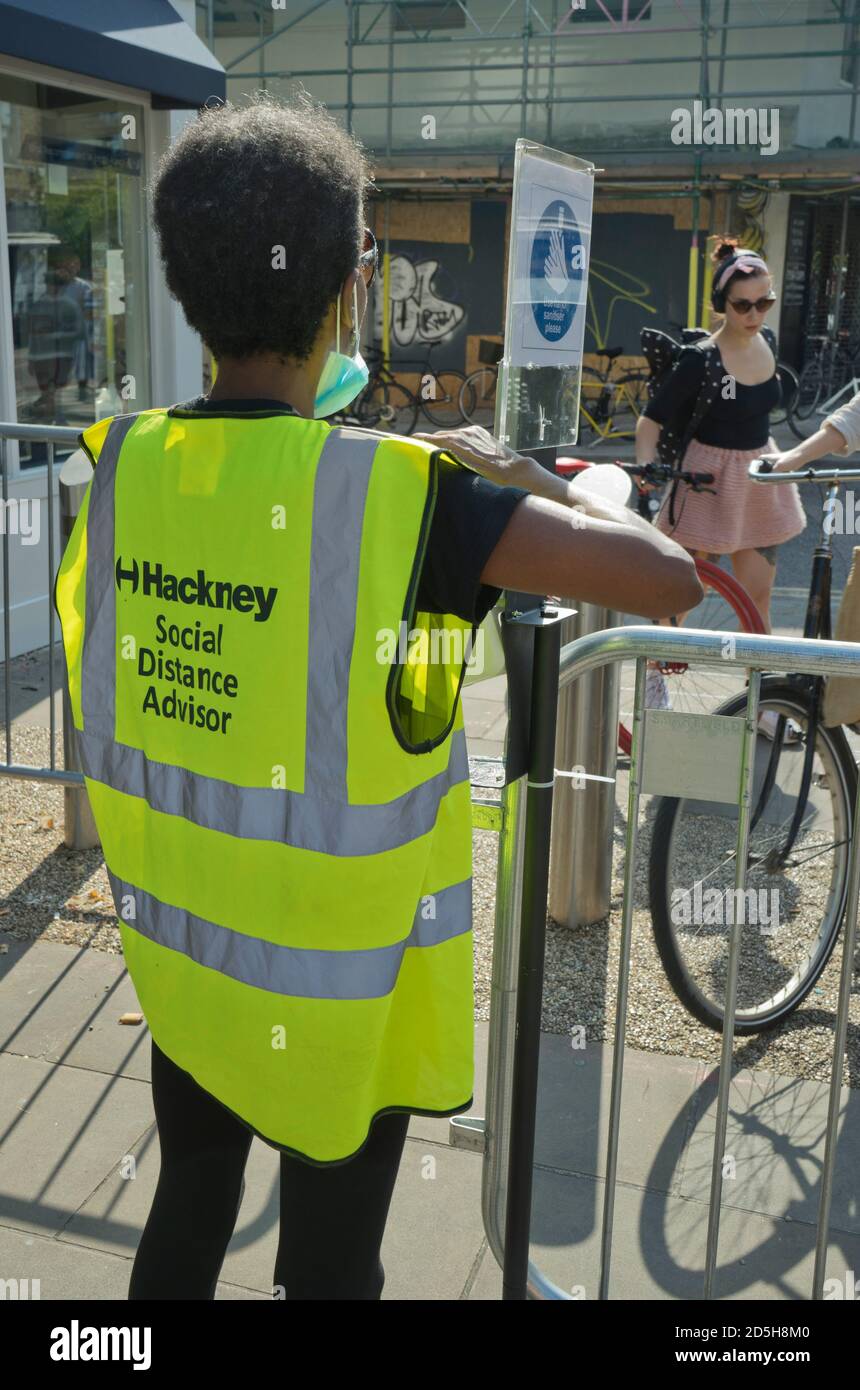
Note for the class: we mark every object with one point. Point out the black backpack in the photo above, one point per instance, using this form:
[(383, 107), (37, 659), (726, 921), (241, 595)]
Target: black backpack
[(662, 353)]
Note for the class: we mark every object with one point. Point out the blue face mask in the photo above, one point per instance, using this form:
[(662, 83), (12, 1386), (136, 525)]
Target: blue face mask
[(342, 376)]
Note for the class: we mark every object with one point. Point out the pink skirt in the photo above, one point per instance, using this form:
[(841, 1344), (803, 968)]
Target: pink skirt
[(742, 516)]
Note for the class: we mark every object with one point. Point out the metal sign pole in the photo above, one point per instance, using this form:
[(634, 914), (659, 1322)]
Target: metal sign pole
[(726, 1057), (544, 699)]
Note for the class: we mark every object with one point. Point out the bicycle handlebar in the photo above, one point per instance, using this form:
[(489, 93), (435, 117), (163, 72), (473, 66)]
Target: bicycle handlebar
[(665, 473), (761, 471)]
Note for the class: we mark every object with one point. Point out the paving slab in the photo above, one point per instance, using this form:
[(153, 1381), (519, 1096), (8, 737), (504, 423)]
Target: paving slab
[(659, 1248), (62, 1130), (63, 1004), (573, 1111), (79, 1161), (62, 1271), (774, 1149)]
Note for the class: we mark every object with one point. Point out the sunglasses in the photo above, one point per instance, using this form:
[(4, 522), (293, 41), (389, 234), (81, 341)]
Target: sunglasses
[(369, 258), (761, 306)]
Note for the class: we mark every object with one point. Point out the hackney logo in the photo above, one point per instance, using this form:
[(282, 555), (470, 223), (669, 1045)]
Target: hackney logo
[(153, 580)]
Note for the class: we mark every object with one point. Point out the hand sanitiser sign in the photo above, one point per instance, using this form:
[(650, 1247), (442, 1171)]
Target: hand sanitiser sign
[(537, 401)]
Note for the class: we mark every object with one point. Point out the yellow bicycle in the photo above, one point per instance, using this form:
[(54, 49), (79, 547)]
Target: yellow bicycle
[(610, 407)]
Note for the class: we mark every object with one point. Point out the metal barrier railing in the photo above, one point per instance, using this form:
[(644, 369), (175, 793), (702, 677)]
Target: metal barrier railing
[(52, 435), (506, 1134)]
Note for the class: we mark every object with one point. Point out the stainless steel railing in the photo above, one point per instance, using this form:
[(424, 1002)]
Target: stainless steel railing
[(493, 1133), (52, 436)]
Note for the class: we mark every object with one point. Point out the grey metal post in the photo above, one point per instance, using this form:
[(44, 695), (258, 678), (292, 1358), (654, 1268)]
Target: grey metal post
[(583, 811), (80, 827)]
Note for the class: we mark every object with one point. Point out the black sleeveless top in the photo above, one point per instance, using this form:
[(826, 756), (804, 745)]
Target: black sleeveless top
[(739, 422)]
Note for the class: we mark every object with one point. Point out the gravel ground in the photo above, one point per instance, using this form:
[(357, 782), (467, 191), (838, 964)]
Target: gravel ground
[(51, 893), (47, 891)]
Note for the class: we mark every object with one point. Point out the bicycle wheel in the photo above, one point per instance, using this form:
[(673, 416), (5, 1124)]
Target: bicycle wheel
[(793, 905), (442, 408), (789, 384), (809, 390), (387, 406), (477, 399), (726, 607)]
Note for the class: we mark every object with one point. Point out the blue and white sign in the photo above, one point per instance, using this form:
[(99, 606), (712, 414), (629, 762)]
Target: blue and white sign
[(556, 271), (538, 390), (551, 241)]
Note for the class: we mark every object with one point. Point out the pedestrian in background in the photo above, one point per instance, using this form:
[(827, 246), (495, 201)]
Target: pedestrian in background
[(745, 522)]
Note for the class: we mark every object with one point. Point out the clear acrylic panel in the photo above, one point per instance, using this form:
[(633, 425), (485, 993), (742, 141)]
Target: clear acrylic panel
[(537, 401)]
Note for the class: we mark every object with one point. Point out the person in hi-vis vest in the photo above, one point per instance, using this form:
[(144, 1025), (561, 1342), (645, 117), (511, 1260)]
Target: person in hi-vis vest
[(279, 779)]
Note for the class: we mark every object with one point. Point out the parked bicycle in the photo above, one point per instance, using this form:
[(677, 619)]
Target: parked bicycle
[(438, 394), (477, 399), (805, 781), (831, 374), (609, 407), (385, 404)]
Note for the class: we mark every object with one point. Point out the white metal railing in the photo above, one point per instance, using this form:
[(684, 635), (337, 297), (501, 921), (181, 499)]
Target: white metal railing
[(515, 1022)]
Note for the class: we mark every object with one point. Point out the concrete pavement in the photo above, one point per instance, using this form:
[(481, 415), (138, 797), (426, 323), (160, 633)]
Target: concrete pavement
[(79, 1164)]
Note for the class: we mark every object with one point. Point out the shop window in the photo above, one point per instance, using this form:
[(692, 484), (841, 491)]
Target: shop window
[(76, 216)]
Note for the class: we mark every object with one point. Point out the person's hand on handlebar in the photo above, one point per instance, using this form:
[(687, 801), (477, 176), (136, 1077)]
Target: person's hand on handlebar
[(647, 484), (786, 462)]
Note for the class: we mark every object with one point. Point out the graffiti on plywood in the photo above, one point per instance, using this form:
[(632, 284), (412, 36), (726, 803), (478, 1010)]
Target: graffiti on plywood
[(418, 314)]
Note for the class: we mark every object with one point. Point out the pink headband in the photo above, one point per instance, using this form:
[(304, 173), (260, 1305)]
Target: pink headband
[(747, 262)]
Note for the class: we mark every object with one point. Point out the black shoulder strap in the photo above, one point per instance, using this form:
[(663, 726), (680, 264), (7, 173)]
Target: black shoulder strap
[(708, 393)]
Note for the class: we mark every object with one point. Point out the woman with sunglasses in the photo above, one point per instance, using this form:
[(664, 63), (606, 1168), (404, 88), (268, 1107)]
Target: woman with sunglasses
[(742, 521)]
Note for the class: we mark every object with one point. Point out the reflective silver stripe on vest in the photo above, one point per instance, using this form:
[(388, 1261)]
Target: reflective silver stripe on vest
[(301, 819), (320, 818), (305, 973), (98, 675), (340, 494)]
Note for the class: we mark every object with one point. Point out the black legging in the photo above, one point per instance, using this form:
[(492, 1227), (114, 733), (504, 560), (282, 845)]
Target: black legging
[(332, 1218)]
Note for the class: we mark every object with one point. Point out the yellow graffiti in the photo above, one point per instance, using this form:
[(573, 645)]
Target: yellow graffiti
[(635, 292)]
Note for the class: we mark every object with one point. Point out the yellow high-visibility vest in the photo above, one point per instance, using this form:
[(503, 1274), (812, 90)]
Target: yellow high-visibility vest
[(272, 742)]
